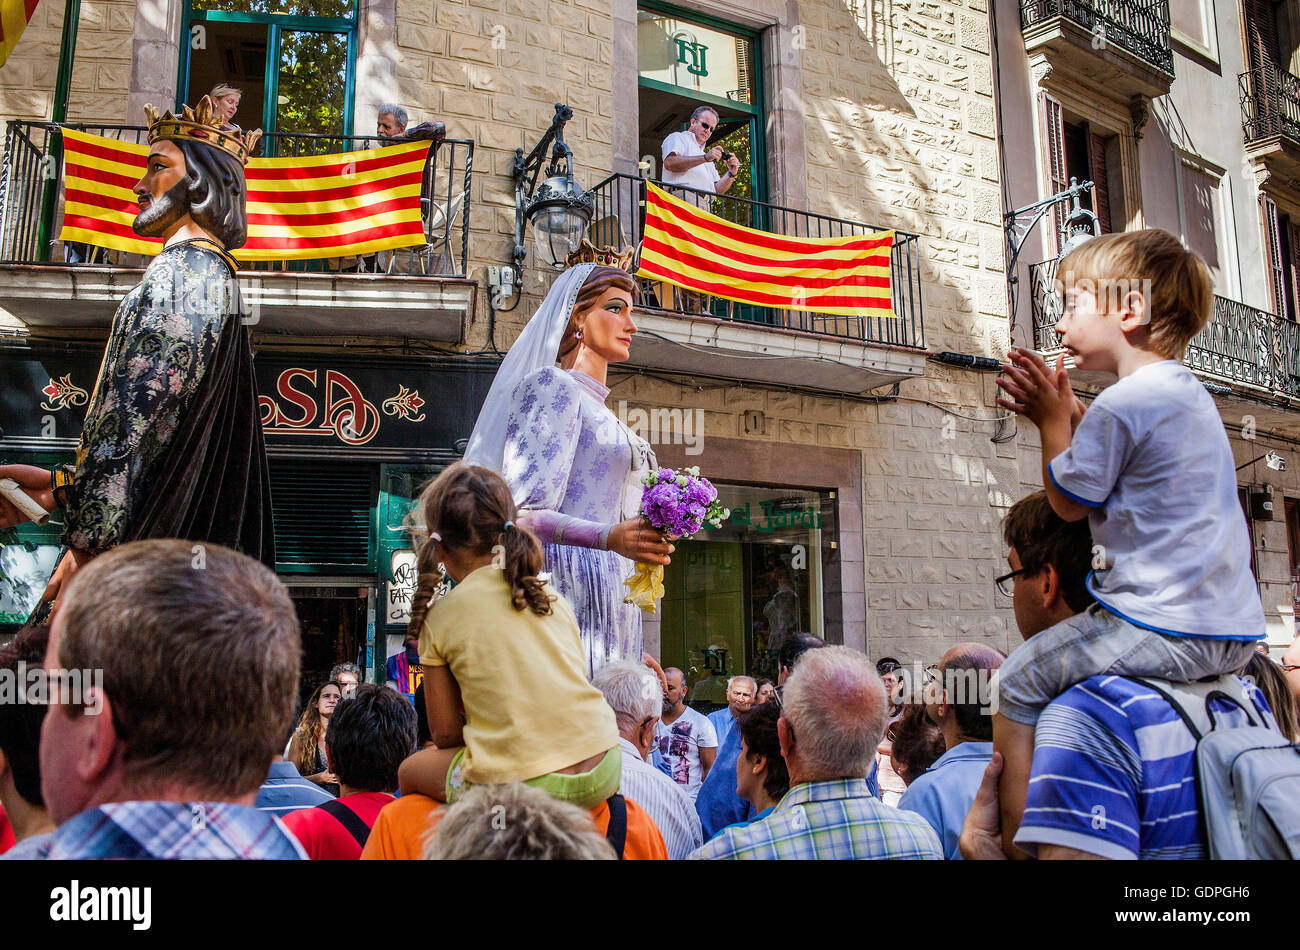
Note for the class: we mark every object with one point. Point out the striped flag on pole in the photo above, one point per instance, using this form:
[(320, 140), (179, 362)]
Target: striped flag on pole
[(298, 208), (14, 17), (840, 276)]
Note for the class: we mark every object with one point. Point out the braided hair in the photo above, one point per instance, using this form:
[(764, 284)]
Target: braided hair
[(469, 508)]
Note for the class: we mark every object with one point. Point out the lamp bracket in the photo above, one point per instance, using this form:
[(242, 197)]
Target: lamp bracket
[(526, 171), (1020, 222)]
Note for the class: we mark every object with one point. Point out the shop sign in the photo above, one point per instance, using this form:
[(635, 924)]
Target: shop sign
[(774, 517), (375, 402)]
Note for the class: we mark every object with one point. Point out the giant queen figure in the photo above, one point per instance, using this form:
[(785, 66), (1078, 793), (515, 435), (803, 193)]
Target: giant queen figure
[(573, 466), (172, 444)]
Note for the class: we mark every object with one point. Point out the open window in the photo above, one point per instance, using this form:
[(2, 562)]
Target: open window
[(292, 59), (686, 61)]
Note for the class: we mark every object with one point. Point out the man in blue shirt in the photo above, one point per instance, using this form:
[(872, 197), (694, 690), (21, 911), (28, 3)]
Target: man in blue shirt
[(958, 703), (285, 790), (740, 696), (1114, 776)]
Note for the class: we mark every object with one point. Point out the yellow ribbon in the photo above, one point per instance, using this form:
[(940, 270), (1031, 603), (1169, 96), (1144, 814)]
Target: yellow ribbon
[(646, 585)]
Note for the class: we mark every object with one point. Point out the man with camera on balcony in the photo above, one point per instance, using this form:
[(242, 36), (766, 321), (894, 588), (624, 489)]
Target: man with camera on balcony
[(687, 164)]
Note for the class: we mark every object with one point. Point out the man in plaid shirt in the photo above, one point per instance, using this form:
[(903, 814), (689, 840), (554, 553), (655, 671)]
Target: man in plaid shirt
[(199, 651), (832, 719)]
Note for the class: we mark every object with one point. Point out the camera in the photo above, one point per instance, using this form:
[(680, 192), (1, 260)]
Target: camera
[(727, 156)]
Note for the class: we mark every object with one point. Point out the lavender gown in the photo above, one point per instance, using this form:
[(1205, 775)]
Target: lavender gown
[(575, 471)]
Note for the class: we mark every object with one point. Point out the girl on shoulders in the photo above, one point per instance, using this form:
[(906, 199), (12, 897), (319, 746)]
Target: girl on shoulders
[(504, 669)]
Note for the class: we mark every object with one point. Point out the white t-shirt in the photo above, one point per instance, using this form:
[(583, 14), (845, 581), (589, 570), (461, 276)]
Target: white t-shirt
[(1152, 460), (680, 744), (703, 177)]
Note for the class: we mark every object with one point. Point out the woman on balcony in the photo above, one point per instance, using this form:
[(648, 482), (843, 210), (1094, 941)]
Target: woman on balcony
[(574, 468)]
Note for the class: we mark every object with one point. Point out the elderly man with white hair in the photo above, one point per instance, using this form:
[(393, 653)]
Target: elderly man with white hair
[(636, 697), (740, 697), (832, 719)]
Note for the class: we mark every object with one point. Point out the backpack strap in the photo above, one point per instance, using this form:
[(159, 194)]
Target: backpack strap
[(349, 819), (1186, 711), (616, 833)]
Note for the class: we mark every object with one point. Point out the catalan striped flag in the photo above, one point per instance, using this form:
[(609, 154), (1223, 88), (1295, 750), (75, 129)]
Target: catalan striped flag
[(841, 276), (14, 17), (298, 208)]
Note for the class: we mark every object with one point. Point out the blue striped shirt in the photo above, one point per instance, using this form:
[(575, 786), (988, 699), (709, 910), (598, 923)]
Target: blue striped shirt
[(1114, 773)]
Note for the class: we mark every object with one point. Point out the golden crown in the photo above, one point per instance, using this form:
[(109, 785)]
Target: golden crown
[(201, 124), (588, 253)]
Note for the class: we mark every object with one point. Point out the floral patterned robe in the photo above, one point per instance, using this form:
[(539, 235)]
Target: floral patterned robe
[(172, 444)]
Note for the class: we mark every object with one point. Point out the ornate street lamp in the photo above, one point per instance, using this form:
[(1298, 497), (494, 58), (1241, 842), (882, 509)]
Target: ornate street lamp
[(1079, 225), (558, 209)]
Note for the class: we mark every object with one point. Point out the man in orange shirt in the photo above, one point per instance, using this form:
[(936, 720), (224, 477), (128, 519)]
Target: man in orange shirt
[(398, 833)]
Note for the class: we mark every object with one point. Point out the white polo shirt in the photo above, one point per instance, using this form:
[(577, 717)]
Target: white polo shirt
[(703, 177)]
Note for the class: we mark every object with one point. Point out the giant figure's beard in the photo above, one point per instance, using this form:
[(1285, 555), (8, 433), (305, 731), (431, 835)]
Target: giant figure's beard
[(163, 212)]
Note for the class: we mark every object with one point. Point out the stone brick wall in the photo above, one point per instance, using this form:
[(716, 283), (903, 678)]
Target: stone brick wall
[(101, 73), (900, 131), (492, 70)]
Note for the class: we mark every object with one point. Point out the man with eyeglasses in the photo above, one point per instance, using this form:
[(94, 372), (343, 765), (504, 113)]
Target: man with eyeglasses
[(1049, 559), (686, 162), (1097, 789)]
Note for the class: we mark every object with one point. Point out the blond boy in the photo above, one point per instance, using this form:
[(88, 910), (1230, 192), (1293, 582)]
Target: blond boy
[(1150, 466)]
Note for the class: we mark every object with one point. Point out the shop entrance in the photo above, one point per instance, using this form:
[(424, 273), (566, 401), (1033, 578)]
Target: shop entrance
[(734, 594), (333, 621)]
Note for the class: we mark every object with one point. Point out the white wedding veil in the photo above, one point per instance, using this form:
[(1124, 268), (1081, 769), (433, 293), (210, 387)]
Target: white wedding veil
[(537, 347)]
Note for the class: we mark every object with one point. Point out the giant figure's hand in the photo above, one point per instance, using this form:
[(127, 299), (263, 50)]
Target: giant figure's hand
[(35, 481), (637, 541)]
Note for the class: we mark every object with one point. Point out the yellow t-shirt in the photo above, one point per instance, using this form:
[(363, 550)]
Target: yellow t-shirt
[(528, 706)]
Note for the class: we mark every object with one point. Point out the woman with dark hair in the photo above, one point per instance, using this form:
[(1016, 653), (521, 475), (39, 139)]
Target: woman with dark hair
[(307, 747), (761, 775), (765, 690), (573, 467), (916, 743), (1266, 674)]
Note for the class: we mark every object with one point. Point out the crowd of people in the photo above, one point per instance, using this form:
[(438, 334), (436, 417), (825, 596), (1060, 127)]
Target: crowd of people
[(790, 778)]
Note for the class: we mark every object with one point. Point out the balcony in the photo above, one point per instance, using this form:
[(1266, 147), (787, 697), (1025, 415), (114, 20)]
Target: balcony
[(711, 336), (1270, 121), (1242, 346), (1115, 47), (418, 293)]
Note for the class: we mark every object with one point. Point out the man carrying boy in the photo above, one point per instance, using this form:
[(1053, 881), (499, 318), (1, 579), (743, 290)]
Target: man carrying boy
[(1150, 466)]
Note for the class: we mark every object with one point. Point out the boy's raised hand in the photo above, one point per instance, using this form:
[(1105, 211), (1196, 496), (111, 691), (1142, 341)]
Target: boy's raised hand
[(1038, 391)]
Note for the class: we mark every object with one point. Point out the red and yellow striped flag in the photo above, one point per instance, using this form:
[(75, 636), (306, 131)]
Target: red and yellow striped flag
[(298, 208), (841, 276), (14, 17)]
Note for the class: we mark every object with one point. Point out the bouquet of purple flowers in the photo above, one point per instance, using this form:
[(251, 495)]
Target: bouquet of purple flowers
[(676, 504)]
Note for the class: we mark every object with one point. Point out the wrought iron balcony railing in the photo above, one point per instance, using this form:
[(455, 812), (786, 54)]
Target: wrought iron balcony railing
[(1270, 104), (1241, 344), (31, 187), (1139, 27), (619, 221)]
